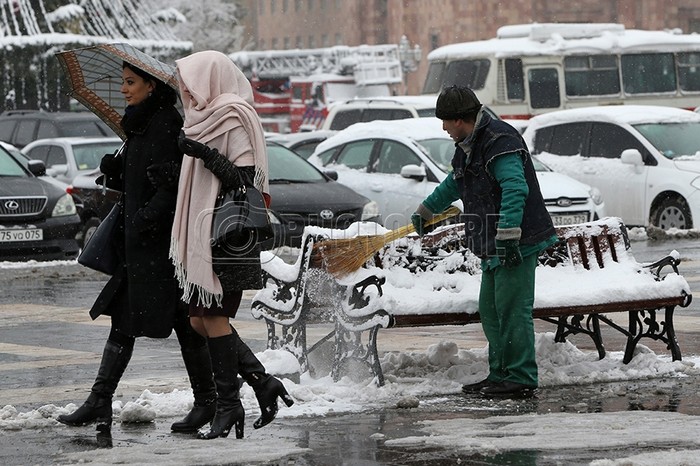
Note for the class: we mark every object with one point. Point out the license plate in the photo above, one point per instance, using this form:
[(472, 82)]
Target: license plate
[(8, 236), (562, 220)]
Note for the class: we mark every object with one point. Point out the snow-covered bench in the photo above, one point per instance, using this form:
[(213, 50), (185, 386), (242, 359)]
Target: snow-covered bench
[(432, 281)]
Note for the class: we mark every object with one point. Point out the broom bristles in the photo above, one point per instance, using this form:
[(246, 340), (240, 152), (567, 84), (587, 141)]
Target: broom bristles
[(345, 255)]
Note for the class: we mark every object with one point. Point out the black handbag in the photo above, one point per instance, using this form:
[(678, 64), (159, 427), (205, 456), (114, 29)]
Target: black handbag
[(101, 251), (240, 220)]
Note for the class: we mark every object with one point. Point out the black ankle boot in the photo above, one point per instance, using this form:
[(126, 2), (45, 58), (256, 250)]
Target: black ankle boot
[(267, 390), (98, 406), (229, 410), (198, 365), (95, 409)]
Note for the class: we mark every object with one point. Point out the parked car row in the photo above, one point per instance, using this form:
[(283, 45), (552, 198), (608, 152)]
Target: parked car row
[(398, 163), (644, 161)]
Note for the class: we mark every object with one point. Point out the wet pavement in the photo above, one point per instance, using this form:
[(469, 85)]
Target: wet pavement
[(44, 305)]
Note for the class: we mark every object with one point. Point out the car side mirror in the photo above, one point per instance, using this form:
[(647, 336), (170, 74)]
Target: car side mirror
[(332, 174), (414, 172), (632, 157), (58, 169), (36, 167)]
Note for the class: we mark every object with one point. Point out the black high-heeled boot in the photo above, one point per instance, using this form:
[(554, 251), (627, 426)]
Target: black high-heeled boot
[(229, 410), (98, 406), (198, 365), (266, 387), (267, 390)]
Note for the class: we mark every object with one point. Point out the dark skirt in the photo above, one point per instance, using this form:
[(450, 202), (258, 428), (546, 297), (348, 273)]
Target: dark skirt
[(229, 307)]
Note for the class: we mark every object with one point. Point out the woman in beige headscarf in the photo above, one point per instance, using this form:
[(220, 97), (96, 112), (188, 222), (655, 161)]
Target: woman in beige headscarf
[(224, 138)]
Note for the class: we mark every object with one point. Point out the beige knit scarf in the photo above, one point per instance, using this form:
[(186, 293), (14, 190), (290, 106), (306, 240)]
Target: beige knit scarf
[(217, 100)]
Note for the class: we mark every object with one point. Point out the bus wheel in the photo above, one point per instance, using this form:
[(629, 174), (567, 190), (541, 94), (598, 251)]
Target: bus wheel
[(672, 212)]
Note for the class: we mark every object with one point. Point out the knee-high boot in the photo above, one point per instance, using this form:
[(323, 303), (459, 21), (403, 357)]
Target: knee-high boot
[(98, 406), (266, 387), (229, 410), (199, 370)]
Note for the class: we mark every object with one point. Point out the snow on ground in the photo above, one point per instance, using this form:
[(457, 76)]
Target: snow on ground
[(438, 371)]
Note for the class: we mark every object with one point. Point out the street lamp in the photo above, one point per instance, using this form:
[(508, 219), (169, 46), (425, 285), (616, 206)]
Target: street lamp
[(409, 58)]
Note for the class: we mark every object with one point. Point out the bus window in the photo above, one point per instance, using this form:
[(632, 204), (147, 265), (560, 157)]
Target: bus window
[(689, 71), (433, 82), (591, 75), (637, 70), (544, 87), (469, 73), (514, 79)]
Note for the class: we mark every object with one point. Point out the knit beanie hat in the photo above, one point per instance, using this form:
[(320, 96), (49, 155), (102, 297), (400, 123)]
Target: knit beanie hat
[(456, 103)]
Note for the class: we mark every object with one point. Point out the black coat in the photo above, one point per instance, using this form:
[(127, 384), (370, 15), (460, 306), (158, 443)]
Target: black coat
[(142, 297)]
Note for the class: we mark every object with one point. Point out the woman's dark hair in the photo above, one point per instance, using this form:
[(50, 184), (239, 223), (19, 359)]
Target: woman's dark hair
[(162, 90)]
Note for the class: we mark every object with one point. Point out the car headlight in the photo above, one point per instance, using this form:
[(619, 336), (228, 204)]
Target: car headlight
[(596, 196), (64, 206), (370, 210)]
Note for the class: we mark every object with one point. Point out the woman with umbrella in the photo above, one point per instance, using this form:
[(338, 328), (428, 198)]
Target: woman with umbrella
[(224, 137), (142, 296)]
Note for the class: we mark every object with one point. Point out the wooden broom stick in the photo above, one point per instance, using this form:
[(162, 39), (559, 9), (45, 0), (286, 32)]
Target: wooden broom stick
[(343, 256)]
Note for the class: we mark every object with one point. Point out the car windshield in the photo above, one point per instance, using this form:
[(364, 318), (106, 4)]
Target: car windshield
[(285, 166), (673, 139), (9, 166), (440, 151), (88, 156)]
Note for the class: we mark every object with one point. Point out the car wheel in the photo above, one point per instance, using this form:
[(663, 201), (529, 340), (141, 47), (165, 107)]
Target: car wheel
[(89, 228), (672, 212)]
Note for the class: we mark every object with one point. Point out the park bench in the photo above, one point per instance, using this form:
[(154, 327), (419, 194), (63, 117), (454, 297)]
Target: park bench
[(414, 282)]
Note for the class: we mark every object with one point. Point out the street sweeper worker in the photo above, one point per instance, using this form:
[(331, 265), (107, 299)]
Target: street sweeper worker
[(506, 225)]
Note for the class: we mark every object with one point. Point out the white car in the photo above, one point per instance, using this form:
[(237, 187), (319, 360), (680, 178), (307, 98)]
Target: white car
[(399, 163), (645, 160), (67, 157)]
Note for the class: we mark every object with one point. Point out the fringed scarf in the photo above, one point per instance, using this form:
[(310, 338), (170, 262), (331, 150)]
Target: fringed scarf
[(217, 100)]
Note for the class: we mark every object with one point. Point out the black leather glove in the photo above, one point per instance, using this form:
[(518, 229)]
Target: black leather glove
[(418, 223), (509, 252), (194, 149), (110, 164)]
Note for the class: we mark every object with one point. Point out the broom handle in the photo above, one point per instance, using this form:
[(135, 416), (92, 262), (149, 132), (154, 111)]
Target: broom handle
[(408, 229)]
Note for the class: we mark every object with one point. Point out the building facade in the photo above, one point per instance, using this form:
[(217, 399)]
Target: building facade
[(289, 24)]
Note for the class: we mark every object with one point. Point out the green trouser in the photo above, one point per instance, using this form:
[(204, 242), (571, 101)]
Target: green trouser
[(505, 308)]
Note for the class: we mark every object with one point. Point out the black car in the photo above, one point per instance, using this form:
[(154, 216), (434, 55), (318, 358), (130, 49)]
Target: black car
[(20, 127), (301, 195), (38, 220)]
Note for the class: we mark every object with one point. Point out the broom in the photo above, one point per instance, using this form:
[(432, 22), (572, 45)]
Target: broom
[(343, 256)]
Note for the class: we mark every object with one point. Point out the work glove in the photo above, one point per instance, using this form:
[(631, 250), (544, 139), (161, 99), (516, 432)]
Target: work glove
[(509, 253), (194, 149), (418, 223)]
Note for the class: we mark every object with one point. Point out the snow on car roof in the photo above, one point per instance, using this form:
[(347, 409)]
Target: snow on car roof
[(405, 130), (630, 114)]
